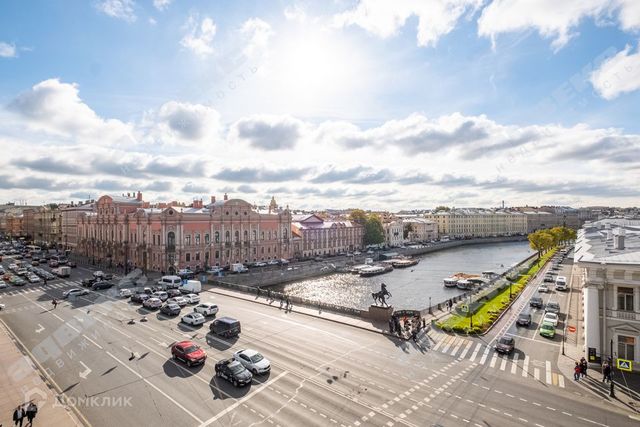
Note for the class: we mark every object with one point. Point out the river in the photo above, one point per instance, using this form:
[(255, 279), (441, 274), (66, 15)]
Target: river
[(411, 287)]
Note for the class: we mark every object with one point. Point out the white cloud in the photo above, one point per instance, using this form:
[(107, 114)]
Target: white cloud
[(617, 75), (120, 9), (152, 21), (8, 50), (553, 19), (384, 18), (161, 4), (191, 122), (295, 13), (269, 133), (199, 36), (258, 33), (55, 107)]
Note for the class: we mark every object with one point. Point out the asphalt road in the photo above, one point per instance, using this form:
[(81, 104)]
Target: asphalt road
[(323, 373)]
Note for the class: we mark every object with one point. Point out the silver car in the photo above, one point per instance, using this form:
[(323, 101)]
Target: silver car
[(152, 303), (255, 362)]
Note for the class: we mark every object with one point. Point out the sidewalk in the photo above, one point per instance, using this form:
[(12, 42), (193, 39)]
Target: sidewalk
[(357, 322), (627, 386), (21, 382)]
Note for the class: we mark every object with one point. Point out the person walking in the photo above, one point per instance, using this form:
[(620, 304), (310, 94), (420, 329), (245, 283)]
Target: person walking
[(391, 326), (606, 372), (55, 303), (18, 415), (583, 367), (32, 410), (576, 372)]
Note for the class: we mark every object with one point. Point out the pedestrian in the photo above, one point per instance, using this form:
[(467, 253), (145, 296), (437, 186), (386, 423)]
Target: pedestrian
[(424, 323), (606, 372), (281, 302), (583, 367), (576, 372), (45, 281), (18, 415), (55, 303), (288, 304), (391, 329), (32, 410)]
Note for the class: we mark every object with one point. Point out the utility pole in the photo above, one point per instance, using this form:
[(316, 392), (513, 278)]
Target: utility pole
[(612, 393)]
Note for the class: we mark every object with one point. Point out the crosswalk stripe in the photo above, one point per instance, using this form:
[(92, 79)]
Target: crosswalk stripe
[(525, 366), (439, 343), (448, 344), (457, 347), (536, 374), (466, 350), (503, 364), (548, 373), (475, 352), (514, 365), (554, 378), (484, 355), (561, 381), (492, 364)]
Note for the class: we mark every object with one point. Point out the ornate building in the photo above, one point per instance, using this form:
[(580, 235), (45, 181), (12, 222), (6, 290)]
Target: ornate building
[(125, 230), (320, 237)]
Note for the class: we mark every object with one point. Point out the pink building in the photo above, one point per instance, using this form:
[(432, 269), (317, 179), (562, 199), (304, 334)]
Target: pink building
[(125, 229)]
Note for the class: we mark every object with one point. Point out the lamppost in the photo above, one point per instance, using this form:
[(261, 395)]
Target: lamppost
[(471, 312), (430, 310), (612, 393)]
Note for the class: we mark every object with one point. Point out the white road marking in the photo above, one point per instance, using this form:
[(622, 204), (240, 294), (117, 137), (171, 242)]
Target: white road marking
[(448, 343), (514, 364), (466, 350), (525, 366), (157, 389), (536, 374), (560, 380), (484, 355), (457, 347), (475, 352), (503, 364), (548, 373), (492, 364)]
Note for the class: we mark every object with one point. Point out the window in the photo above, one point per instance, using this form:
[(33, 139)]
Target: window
[(600, 273), (262, 235), (197, 256), (171, 238), (187, 240), (626, 347), (197, 239), (255, 235), (237, 236), (216, 237), (217, 254), (227, 236), (246, 235), (625, 299), (635, 276), (187, 257), (206, 239), (618, 274)]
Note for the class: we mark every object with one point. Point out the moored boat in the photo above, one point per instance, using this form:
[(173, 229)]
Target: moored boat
[(374, 270), (404, 263), (450, 282)]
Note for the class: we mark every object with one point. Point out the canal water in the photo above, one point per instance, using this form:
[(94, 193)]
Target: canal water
[(411, 287)]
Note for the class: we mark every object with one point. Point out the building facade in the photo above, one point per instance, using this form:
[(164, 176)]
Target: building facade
[(420, 229), (607, 262), (393, 233), (124, 230), (472, 222), (320, 237), (69, 223)]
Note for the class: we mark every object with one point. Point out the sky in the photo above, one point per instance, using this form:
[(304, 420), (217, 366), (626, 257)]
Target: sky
[(323, 104)]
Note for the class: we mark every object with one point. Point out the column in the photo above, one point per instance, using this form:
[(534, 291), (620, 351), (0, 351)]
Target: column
[(591, 318)]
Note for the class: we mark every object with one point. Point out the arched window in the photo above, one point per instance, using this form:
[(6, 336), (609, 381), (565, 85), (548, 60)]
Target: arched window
[(237, 236), (246, 235), (255, 235), (227, 236), (187, 240), (216, 237), (197, 239), (171, 238), (284, 233), (206, 239)]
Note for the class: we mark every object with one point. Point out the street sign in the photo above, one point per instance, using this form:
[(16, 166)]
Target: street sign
[(625, 365)]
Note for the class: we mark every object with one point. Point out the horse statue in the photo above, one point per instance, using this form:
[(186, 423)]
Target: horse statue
[(381, 296)]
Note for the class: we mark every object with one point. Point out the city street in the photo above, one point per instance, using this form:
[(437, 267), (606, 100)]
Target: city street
[(323, 373)]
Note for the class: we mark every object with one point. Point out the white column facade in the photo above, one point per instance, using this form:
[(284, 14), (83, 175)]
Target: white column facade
[(591, 318)]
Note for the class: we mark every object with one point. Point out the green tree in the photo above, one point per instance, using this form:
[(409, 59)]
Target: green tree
[(442, 208), (373, 230), (358, 216), (408, 228)]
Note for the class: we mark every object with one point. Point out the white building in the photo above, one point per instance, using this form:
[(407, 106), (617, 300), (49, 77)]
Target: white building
[(393, 233), (475, 222), (421, 229), (607, 260)]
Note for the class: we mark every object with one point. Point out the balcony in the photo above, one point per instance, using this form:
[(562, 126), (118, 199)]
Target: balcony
[(623, 315)]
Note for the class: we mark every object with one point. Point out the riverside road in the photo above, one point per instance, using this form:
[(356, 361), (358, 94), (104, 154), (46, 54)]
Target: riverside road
[(323, 373)]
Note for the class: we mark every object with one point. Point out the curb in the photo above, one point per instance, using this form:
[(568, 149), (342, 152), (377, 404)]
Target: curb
[(45, 376)]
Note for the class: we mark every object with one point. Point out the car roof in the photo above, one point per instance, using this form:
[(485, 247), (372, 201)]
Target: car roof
[(227, 319), (185, 344), (249, 352)]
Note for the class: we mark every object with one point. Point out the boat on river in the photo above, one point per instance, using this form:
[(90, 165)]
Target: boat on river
[(450, 282), (404, 262), (374, 270)]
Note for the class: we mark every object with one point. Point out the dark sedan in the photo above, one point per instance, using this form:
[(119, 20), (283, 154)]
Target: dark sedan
[(505, 345)]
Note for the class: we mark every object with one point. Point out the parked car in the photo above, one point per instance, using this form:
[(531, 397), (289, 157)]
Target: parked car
[(226, 327), (192, 298), (255, 362), (536, 302), (32, 278), (233, 371), (549, 278), (170, 282), (173, 293), (88, 282), (125, 293), (102, 275), (505, 344), (140, 297), (193, 319), (181, 301), (551, 318), (152, 303), (206, 309), (170, 309), (3, 284), (17, 281), (543, 288), (547, 330), (188, 352), (162, 295), (524, 319), (101, 284), (53, 263)]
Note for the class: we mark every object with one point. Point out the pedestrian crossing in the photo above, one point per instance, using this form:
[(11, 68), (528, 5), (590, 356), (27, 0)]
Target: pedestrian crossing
[(27, 289), (481, 354)]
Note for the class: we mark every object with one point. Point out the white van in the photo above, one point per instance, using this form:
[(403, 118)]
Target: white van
[(238, 268), (170, 282), (561, 283), (191, 287)]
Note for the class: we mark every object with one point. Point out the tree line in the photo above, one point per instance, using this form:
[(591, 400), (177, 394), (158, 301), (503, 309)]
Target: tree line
[(372, 223), (543, 240)]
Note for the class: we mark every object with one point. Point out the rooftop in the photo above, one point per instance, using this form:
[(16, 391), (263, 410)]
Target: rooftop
[(599, 242)]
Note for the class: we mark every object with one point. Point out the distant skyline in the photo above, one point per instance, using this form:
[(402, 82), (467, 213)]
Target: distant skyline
[(372, 104)]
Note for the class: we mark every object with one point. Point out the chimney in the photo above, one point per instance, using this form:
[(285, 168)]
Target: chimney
[(139, 196), (619, 239), (226, 197), (213, 199)]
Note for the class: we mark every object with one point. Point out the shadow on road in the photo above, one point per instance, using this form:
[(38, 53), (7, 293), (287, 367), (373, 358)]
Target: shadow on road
[(174, 368), (222, 389)]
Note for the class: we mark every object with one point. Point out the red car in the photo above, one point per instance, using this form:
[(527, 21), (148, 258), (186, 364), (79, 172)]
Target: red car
[(189, 352)]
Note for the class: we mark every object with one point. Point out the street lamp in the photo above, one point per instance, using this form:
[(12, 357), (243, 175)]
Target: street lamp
[(471, 312), (612, 393)]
